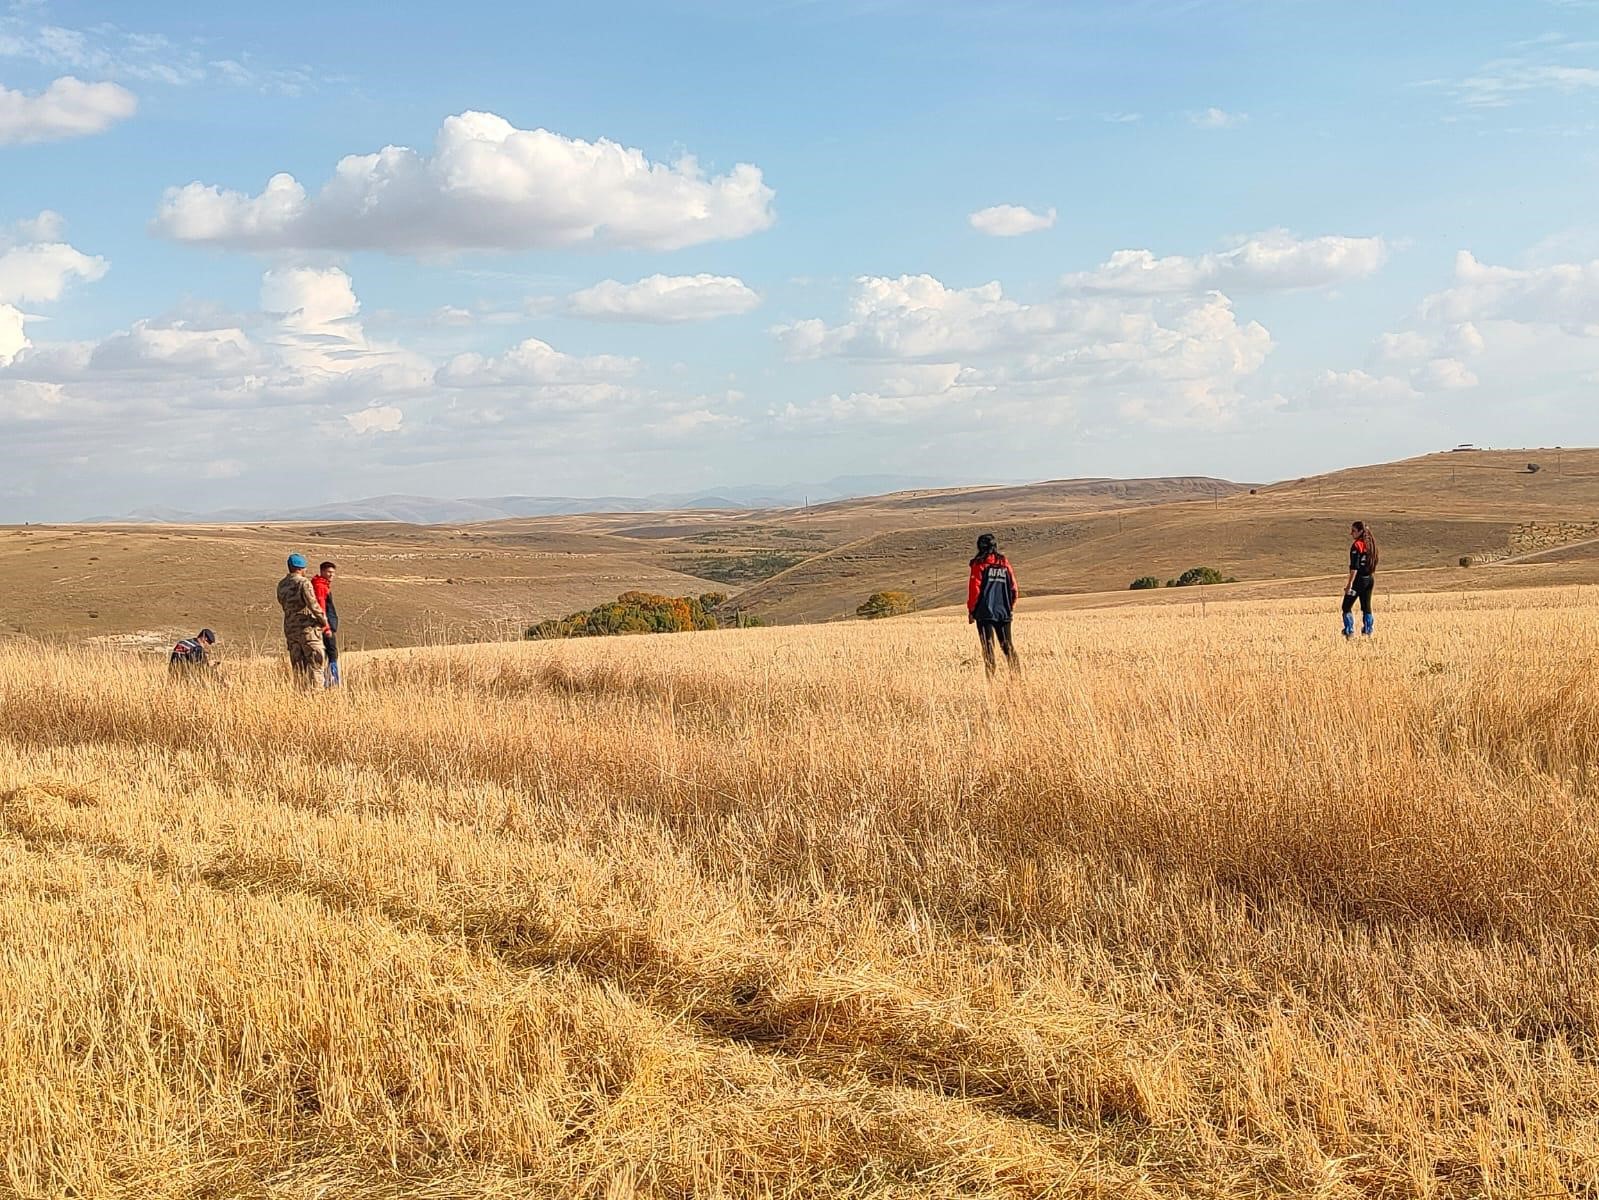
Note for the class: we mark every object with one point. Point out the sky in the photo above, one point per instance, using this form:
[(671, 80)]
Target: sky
[(271, 256)]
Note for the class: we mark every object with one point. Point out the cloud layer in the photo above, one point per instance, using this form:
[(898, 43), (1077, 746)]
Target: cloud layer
[(1272, 261), (486, 186), (927, 347), (1496, 332), (532, 363), (664, 299)]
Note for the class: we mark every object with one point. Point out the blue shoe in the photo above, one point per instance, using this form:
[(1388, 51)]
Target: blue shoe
[(1349, 625), (1367, 624)]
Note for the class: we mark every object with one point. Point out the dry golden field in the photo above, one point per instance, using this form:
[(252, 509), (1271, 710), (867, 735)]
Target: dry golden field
[(1208, 903)]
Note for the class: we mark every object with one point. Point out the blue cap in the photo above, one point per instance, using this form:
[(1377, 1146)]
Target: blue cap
[(296, 562)]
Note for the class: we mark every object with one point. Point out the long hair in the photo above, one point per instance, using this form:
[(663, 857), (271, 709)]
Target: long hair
[(986, 545), (1363, 531)]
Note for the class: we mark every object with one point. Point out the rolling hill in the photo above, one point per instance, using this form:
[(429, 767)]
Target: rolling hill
[(1428, 513), (1074, 542)]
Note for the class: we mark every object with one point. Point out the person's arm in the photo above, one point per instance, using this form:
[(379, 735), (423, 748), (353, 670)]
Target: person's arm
[(974, 588), (1349, 584), (1014, 594)]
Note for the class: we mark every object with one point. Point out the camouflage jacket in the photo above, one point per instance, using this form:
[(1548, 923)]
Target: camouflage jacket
[(300, 609)]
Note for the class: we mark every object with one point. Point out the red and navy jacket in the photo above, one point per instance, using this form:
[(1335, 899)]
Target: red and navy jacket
[(190, 652), (991, 590), (324, 597)]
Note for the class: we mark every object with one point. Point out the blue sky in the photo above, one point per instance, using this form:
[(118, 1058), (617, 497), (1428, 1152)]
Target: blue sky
[(637, 247)]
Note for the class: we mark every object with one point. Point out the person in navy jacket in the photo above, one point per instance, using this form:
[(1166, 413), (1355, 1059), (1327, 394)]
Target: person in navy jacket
[(991, 600)]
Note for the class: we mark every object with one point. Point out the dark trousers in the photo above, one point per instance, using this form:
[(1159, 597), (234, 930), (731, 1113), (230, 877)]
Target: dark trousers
[(1363, 586), (330, 644), (989, 632)]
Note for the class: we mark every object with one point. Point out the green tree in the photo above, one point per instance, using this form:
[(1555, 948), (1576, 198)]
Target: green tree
[(1199, 576), (631, 612), (886, 604), (1143, 583)]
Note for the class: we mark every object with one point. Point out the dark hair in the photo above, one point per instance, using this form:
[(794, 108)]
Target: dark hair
[(1365, 534), (328, 566), (206, 636), (986, 545)]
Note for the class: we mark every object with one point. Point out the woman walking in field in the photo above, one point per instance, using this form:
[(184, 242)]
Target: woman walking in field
[(1362, 578), (990, 601)]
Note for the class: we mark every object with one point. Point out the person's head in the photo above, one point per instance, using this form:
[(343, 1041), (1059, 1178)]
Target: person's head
[(296, 563), (1357, 531), (986, 544), (327, 570), (206, 636)]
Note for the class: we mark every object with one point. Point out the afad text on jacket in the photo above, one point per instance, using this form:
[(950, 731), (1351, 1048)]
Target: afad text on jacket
[(991, 590)]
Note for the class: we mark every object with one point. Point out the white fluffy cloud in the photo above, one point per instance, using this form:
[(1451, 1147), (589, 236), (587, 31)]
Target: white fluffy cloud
[(67, 108), (380, 418), (533, 363), (1562, 294), (1159, 359), (308, 297), (665, 299), (319, 343), (36, 267), (1445, 375), (307, 349), (39, 272), (486, 186), (150, 346), (918, 317), (1359, 389), (1430, 360), (1010, 220), (1531, 332), (1272, 261), (12, 335)]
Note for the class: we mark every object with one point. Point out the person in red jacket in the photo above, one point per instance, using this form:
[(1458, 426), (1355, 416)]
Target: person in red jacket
[(991, 600), (322, 584)]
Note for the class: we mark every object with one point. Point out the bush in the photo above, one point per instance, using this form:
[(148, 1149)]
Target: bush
[(886, 604), (1199, 576), (1143, 583), (633, 612), (1465, 560)]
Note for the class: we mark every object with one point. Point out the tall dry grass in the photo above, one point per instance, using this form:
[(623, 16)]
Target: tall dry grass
[(1207, 904)]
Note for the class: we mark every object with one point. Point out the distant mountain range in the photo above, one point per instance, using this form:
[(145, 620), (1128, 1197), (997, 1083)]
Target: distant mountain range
[(430, 510)]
